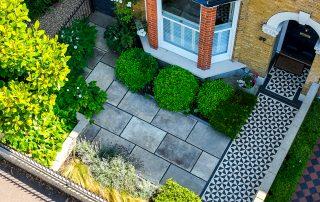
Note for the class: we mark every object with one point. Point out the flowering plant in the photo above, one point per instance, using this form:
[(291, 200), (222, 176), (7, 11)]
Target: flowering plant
[(248, 81)]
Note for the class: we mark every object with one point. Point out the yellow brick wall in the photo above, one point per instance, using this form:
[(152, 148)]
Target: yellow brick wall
[(254, 13)]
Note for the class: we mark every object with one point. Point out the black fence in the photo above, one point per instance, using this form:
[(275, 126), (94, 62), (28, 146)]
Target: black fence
[(83, 10), (48, 175)]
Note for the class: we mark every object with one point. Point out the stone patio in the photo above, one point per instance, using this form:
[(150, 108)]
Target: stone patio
[(168, 145)]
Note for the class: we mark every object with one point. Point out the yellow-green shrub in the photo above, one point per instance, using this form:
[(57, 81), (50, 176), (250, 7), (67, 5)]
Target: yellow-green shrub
[(32, 69)]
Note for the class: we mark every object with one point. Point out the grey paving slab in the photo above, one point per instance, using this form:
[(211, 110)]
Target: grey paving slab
[(101, 19), (153, 167), (185, 179), (112, 119), (110, 58), (205, 166), (116, 92), (103, 74), (97, 55), (139, 106), (101, 41), (143, 134), (86, 72), (176, 124), (178, 152), (90, 133), (209, 140), (106, 139)]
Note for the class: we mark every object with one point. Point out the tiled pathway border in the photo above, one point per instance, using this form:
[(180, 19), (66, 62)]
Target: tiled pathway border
[(286, 143), (168, 145)]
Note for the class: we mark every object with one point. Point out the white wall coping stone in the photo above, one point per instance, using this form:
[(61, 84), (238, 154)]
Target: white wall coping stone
[(286, 144), (70, 142), (175, 59)]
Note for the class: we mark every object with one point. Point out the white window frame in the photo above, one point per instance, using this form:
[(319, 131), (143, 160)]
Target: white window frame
[(193, 56)]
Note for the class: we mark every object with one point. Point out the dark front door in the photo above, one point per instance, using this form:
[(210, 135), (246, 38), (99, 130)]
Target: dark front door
[(104, 6), (299, 42)]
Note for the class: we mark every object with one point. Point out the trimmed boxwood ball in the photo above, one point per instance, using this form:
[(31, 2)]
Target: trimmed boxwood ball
[(136, 68), (211, 94), (175, 89)]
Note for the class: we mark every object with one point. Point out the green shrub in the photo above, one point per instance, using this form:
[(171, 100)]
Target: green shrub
[(80, 37), (78, 96), (38, 7), (135, 68), (175, 88), (231, 115), (173, 192), (211, 94), (298, 156)]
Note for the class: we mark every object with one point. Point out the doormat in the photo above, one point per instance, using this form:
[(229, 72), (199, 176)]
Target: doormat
[(290, 65)]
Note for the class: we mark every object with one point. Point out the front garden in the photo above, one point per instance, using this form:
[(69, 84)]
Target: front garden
[(42, 88)]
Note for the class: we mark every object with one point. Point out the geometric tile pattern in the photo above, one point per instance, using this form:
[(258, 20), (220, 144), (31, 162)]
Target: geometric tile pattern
[(308, 188), (286, 84), (243, 166)]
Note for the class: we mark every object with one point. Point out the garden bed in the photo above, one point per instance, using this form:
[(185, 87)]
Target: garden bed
[(292, 168)]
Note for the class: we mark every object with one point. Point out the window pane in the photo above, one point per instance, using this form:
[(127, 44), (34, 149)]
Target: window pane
[(220, 42), (186, 9), (224, 14)]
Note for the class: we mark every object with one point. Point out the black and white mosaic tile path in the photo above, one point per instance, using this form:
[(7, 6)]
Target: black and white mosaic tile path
[(243, 166), (286, 84)]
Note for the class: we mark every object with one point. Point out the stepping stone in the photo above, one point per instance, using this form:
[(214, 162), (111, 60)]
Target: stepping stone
[(209, 140), (97, 55), (176, 124), (153, 167), (143, 134), (205, 166), (139, 106), (185, 179), (178, 152), (103, 74), (101, 41), (101, 19), (90, 133), (105, 139), (116, 92), (110, 58), (112, 119)]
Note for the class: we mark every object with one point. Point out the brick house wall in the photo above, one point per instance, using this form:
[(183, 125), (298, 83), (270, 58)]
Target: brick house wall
[(257, 54)]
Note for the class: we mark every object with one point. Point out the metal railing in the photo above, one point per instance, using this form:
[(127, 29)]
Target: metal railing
[(83, 10), (48, 175)]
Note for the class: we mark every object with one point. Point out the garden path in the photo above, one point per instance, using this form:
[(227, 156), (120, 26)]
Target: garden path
[(167, 144), (308, 188), (244, 165)]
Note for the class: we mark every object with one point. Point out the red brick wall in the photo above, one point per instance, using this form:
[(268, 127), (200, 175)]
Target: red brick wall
[(207, 24), (152, 23)]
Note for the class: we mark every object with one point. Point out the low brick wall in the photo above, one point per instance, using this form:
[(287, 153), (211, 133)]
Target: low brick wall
[(63, 13)]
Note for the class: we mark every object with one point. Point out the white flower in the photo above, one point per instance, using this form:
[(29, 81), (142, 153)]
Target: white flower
[(61, 36), (77, 88), (129, 4), (77, 38), (120, 1), (80, 96), (75, 47), (115, 38), (67, 90)]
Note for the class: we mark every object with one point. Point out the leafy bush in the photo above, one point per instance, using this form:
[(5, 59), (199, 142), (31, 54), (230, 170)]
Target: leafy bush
[(114, 172), (38, 7), (211, 94), (231, 115), (173, 192), (175, 88), (78, 96), (81, 40), (30, 77), (120, 37), (298, 156), (135, 68)]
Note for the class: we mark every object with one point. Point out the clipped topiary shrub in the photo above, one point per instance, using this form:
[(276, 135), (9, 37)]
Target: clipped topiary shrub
[(211, 94), (231, 115), (175, 88), (135, 68), (173, 192)]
